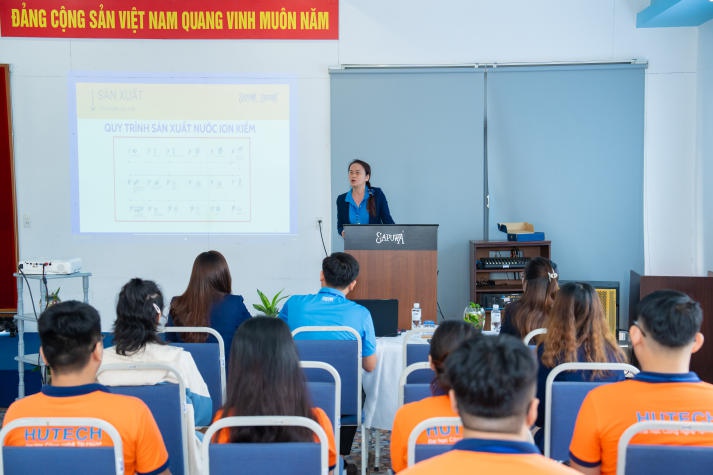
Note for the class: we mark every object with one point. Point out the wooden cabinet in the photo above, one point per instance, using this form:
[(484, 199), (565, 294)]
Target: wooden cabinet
[(497, 285), (699, 289)]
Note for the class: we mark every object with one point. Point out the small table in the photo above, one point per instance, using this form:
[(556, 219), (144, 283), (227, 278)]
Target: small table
[(21, 317), (382, 385)]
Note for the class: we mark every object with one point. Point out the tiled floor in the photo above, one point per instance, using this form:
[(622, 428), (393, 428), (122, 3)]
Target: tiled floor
[(384, 455)]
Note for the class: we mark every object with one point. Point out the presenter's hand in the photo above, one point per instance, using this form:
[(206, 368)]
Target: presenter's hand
[(342, 234)]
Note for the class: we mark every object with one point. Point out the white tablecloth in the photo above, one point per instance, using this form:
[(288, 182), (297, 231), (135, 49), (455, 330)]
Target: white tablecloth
[(382, 385)]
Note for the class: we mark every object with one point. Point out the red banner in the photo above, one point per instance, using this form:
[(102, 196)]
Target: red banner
[(171, 19)]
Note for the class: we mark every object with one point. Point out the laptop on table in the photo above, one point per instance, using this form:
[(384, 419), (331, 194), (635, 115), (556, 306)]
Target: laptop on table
[(384, 314)]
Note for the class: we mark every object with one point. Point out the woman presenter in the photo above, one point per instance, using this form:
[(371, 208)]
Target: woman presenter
[(363, 204)]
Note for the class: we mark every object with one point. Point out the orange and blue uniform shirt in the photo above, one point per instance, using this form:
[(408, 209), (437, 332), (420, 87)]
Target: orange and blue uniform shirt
[(609, 410), (504, 457), (410, 415), (144, 450)]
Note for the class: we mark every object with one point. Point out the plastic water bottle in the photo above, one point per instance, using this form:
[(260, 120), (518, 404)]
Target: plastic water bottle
[(416, 315), (495, 318)]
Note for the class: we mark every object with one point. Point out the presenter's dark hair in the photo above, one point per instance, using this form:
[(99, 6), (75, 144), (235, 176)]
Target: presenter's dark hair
[(69, 331), (370, 203), (136, 317), (541, 285), (493, 377), (209, 283), (447, 337), (670, 317), (577, 329), (265, 378), (340, 269)]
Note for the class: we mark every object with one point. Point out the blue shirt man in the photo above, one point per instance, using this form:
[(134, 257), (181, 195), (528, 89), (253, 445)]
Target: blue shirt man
[(330, 306)]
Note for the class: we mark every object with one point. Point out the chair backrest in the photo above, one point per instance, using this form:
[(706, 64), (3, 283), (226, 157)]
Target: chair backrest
[(418, 354), (343, 355), (537, 331), (411, 390), (295, 458), (418, 452), (61, 460), (663, 459), (167, 402), (415, 345), (563, 400), (326, 394), (210, 360)]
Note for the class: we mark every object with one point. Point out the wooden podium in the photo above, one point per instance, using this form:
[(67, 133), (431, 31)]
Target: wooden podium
[(396, 261), (699, 289)]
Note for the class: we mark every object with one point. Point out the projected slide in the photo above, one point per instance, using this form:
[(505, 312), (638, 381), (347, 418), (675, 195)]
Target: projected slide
[(162, 156)]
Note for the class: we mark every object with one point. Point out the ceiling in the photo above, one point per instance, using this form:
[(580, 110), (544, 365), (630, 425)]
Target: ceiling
[(672, 13)]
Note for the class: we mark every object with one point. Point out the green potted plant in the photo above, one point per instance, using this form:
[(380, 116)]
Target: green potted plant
[(53, 298), (269, 306), (475, 315)]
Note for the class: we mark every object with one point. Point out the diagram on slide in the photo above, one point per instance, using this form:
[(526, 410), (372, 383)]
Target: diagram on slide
[(182, 179)]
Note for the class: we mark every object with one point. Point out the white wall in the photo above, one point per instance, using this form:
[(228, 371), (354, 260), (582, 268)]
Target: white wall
[(705, 134), (40, 112), (372, 31)]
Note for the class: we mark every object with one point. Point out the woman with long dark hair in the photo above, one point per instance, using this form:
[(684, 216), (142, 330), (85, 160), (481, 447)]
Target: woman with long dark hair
[(138, 311), (447, 337), (362, 204), (540, 284), (265, 379), (577, 331), (208, 302)]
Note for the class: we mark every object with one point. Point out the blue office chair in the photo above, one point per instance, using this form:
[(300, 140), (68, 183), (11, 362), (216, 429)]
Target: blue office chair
[(345, 357), (417, 353), (563, 400), (210, 360), (663, 459), (326, 395), (415, 349), (414, 391), (295, 458), (167, 402), (20, 460), (418, 452), (537, 331)]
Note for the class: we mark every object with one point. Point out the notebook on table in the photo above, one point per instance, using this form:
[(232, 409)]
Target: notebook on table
[(384, 314)]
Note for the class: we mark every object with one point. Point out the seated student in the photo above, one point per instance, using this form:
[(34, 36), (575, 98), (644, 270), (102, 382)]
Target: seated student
[(265, 379), (208, 302), (71, 346), (447, 337), (138, 311), (664, 335), (577, 331), (540, 285), (330, 306), (493, 390)]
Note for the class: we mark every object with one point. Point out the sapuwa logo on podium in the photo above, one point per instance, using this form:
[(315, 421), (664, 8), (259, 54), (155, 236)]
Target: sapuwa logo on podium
[(396, 238)]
